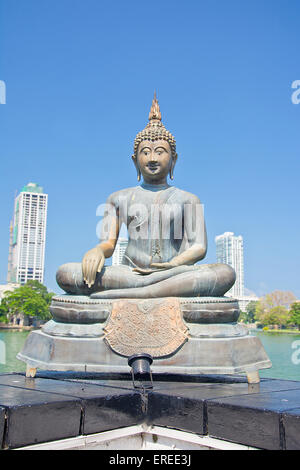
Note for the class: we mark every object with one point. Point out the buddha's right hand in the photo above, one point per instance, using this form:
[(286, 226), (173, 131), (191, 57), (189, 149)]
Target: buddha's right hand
[(92, 263)]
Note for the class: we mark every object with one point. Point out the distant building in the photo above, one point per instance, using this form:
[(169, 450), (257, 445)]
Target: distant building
[(246, 299), (230, 251), (10, 252), (28, 236), (118, 254), (7, 288)]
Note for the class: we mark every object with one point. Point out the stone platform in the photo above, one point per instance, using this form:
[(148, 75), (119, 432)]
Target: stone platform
[(192, 336), (59, 405)]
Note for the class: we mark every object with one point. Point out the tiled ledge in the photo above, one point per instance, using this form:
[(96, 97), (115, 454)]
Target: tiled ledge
[(56, 406)]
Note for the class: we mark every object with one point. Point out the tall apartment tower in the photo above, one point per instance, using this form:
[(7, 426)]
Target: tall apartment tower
[(10, 252), (119, 252), (28, 236), (230, 251)]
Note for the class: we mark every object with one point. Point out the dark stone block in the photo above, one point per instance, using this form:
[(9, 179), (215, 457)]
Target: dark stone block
[(61, 405), (2, 423), (35, 417), (72, 375), (244, 426), (252, 420), (105, 406), (182, 405), (71, 388), (112, 411), (116, 384), (291, 424), (175, 411), (208, 390)]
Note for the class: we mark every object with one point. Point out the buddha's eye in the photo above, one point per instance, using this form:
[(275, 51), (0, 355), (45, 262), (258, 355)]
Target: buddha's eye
[(145, 151)]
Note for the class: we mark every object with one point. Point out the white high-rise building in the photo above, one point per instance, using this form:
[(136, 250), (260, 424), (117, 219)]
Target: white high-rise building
[(119, 252), (28, 236), (230, 251)]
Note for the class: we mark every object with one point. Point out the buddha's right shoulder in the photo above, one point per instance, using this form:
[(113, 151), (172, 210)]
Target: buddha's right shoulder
[(120, 195)]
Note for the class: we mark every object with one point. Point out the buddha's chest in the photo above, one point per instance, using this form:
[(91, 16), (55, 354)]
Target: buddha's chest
[(154, 219)]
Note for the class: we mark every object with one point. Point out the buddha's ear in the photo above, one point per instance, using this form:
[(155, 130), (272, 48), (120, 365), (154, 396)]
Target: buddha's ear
[(174, 160), (134, 159)]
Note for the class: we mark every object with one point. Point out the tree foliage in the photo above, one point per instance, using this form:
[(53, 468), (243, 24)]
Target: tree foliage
[(31, 299), (4, 311), (250, 311), (248, 316), (274, 308), (295, 314)]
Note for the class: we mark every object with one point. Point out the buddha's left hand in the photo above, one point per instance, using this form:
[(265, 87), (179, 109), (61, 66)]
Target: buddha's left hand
[(154, 267), (168, 265)]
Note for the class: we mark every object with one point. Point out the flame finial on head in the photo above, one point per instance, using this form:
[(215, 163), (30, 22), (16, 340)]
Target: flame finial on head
[(155, 111)]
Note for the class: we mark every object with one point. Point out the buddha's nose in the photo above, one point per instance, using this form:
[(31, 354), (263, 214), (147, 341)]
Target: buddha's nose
[(153, 157)]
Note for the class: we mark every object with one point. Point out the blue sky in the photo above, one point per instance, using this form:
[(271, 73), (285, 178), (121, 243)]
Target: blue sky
[(80, 77)]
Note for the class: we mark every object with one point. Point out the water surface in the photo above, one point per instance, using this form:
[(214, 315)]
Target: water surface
[(13, 341), (279, 348)]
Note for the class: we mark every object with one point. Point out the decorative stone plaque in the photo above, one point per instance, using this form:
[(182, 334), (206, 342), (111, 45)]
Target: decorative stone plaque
[(152, 326)]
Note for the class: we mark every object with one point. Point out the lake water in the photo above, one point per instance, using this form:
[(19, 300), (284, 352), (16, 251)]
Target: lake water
[(279, 348), (284, 351), (13, 341)]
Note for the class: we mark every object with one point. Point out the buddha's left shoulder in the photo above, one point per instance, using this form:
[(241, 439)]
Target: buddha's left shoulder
[(186, 197)]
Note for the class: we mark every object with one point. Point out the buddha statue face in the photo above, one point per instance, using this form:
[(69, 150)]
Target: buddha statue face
[(154, 160), (154, 149)]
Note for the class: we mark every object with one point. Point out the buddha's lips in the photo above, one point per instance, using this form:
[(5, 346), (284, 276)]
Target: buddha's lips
[(153, 166)]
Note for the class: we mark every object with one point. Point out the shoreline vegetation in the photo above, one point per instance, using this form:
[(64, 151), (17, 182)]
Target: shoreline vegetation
[(3, 326), (275, 331), (278, 311), (26, 307)]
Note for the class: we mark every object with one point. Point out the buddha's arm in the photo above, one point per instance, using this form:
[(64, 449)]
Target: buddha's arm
[(93, 261)]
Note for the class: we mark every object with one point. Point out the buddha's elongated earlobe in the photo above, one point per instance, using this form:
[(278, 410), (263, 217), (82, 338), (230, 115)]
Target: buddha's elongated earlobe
[(137, 167), (174, 159)]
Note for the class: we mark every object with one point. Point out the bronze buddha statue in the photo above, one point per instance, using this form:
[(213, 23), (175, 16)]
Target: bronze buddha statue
[(159, 301), (166, 234)]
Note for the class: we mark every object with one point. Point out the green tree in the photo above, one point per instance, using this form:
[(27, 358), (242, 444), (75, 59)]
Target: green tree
[(4, 317), (41, 290), (278, 315), (295, 314), (273, 309), (248, 316), (32, 299), (250, 311)]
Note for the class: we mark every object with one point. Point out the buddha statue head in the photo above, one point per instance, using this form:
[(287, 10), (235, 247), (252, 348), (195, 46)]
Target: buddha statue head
[(154, 149)]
